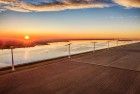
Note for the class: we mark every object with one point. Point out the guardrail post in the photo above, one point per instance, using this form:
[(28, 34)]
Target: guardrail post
[(13, 67), (108, 44), (69, 50), (94, 46), (117, 42)]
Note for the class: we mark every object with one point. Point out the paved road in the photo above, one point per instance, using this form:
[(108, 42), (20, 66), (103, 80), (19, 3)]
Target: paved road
[(113, 71)]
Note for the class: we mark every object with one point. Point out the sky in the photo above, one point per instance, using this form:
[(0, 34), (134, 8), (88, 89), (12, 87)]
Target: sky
[(65, 19)]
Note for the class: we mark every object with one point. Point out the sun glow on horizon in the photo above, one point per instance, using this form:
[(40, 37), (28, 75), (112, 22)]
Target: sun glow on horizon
[(26, 37)]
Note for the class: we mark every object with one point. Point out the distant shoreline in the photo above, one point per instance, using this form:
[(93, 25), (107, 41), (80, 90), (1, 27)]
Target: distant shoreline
[(21, 44)]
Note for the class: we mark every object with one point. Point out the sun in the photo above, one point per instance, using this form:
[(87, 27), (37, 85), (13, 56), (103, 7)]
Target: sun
[(26, 37)]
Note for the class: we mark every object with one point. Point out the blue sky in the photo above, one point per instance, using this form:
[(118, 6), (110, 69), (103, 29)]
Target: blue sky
[(108, 18)]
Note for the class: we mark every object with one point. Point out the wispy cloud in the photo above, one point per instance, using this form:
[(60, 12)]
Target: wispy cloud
[(51, 5), (58, 5), (129, 3)]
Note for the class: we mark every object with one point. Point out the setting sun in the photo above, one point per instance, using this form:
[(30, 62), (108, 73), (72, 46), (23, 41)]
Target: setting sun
[(26, 37)]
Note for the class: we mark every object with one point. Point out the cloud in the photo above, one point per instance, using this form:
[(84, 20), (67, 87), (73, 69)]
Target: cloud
[(129, 3), (59, 5), (51, 5)]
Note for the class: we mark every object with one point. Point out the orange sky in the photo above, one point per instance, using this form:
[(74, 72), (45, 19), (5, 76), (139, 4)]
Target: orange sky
[(84, 35)]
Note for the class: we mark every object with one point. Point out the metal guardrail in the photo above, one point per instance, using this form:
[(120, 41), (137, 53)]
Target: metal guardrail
[(69, 51)]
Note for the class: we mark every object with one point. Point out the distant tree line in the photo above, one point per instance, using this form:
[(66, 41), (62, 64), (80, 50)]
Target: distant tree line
[(20, 44)]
